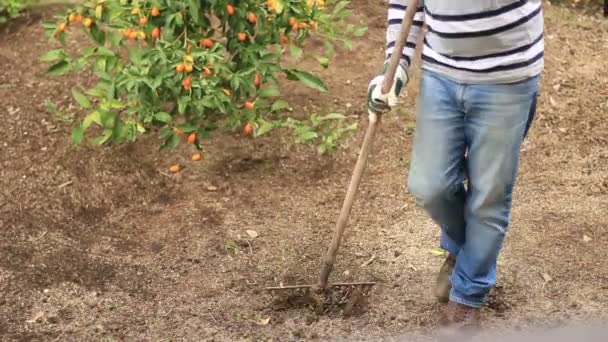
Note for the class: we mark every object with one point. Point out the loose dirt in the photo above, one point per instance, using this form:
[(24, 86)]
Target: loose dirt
[(101, 243)]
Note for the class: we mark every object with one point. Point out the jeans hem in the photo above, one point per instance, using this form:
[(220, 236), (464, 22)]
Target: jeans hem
[(458, 299)]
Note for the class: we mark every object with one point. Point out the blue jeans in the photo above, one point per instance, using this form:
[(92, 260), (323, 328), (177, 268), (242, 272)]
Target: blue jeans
[(469, 133)]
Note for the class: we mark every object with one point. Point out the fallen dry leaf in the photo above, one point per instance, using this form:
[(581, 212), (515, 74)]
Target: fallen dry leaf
[(586, 238), (369, 261), (252, 233), (553, 102), (38, 315), (264, 321), (546, 277)]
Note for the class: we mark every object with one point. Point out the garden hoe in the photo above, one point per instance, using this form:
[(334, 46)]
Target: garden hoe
[(330, 258)]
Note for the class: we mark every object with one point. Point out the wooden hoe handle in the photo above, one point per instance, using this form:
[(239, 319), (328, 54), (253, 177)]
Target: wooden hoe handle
[(330, 257)]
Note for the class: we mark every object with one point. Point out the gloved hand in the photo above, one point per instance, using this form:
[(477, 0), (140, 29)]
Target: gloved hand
[(381, 103)]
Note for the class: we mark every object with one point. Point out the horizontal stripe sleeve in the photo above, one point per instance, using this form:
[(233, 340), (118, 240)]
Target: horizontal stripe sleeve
[(395, 14), (486, 25), (490, 62), (477, 41)]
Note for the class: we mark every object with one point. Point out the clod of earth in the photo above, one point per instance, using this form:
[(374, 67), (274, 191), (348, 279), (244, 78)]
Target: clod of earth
[(344, 300)]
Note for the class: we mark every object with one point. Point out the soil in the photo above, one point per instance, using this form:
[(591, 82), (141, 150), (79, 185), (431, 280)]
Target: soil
[(101, 243)]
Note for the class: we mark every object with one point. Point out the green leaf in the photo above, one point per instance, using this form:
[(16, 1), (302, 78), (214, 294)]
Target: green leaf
[(59, 68), (53, 55), (269, 92), (296, 51), (89, 119), (171, 142), (265, 127), (360, 31), (194, 11), (105, 136), (307, 78), (340, 6), (98, 11), (333, 116), (165, 132), (77, 135), (81, 98), (163, 117), (279, 105), (103, 51), (438, 252), (182, 103), (324, 61), (98, 35), (307, 135)]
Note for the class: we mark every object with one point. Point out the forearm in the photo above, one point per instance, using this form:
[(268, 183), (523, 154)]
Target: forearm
[(396, 11)]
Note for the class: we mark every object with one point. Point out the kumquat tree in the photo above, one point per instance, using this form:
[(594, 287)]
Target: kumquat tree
[(186, 68)]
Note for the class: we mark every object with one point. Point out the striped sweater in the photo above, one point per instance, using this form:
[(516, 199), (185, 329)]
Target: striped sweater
[(474, 41)]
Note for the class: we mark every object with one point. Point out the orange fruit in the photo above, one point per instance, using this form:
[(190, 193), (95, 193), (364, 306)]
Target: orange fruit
[(178, 131), (191, 138), (141, 35), (313, 24), (188, 67), (242, 36), (196, 157), (175, 168), (188, 59), (135, 10), (230, 9), (294, 27), (126, 32), (249, 105), (88, 22), (207, 71), (155, 12), (257, 80), (284, 39), (180, 67), (187, 83), (248, 129), (156, 33), (303, 25), (292, 21), (321, 3), (143, 21), (132, 35), (208, 43), (61, 27), (251, 17), (72, 17), (271, 4), (78, 18)]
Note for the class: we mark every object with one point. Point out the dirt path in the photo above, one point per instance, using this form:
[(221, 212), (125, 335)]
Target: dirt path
[(98, 243)]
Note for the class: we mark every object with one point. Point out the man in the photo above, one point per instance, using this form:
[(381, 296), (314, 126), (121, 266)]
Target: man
[(481, 63)]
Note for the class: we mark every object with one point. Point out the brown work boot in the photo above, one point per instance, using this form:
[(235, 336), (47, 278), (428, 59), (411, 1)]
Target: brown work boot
[(459, 323), (443, 284)]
